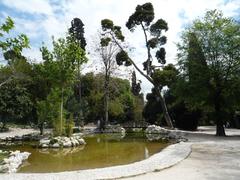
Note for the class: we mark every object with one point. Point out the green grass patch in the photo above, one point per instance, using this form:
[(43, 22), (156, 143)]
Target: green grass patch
[(3, 155)]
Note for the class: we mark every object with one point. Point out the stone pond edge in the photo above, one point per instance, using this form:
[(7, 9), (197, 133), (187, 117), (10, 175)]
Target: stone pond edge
[(168, 157)]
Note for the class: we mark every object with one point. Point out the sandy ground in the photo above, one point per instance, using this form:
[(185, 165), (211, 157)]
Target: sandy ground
[(212, 158)]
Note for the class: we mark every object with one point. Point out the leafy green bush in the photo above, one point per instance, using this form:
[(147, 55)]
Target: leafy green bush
[(69, 126)]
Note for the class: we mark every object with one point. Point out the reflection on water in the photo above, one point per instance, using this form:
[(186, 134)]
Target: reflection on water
[(146, 152), (100, 151)]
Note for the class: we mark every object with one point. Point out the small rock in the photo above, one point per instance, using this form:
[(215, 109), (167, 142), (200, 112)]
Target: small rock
[(44, 141), (44, 146), (67, 144), (56, 145), (81, 141)]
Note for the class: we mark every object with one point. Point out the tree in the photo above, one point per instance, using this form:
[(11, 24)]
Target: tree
[(107, 52), (210, 51), (15, 102), (121, 101), (77, 33), (154, 39), (136, 87), (152, 111), (62, 60), (11, 49), (15, 98)]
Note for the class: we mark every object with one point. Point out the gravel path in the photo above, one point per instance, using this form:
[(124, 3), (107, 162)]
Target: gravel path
[(17, 132), (212, 158)]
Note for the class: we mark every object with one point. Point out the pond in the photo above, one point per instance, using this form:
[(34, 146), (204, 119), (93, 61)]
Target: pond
[(101, 150)]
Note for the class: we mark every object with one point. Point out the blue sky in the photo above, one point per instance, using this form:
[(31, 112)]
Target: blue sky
[(41, 19)]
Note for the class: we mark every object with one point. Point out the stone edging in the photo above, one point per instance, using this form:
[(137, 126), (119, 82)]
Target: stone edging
[(13, 162), (168, 157)]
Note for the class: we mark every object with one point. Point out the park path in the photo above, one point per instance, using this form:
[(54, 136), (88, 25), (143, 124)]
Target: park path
[(212, 158), (17, 132)]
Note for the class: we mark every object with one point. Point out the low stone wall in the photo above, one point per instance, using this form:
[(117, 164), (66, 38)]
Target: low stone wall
[(154, 132), (114, 129), (60, 141), (13, 162)]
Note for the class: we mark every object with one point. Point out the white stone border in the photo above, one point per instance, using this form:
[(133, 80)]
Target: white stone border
[(164, 159)]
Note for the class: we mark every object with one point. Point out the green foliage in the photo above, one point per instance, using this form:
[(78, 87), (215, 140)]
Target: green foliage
[(15, 98), (60, 66), (152, 111), (152, 43), (157, 27), (7, 26), (166, 76), (212, 61), (105, 41), (16, 44), (11, 49), (196, 89), (143, 17), (143, 14), (115, 108), (209, 58), (15, 102), (138, 106), (136, 87), (43, 112), (69, 126), (107, 24), (109, 27), (77, 32), (121, 100), (160, 55), (47, 91), (118, 33), (122, 57)]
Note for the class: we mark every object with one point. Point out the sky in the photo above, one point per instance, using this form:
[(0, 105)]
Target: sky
[(42, 19)]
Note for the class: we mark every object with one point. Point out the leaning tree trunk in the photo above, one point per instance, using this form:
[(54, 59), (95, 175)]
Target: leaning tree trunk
[(161, 98), (220, 131), (165, 110)]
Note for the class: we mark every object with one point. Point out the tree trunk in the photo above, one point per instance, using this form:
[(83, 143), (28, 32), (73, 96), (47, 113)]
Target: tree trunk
[(102, 125), (106, 109), (165, 110), (41, 127), (61, 112), (220, 131), (162, 100), (106, 98)]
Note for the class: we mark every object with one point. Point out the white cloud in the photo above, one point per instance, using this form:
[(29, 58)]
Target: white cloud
[(58, 15), (33, 54), (30, 6)]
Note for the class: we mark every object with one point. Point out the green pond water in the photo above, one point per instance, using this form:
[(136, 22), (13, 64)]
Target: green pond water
[(101, 150)]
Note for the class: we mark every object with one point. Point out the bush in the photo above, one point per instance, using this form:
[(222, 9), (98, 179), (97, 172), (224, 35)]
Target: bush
[(69, 126)]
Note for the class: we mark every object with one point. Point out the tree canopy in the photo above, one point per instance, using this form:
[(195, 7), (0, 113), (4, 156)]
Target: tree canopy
[(154, 39), (209, 58)]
